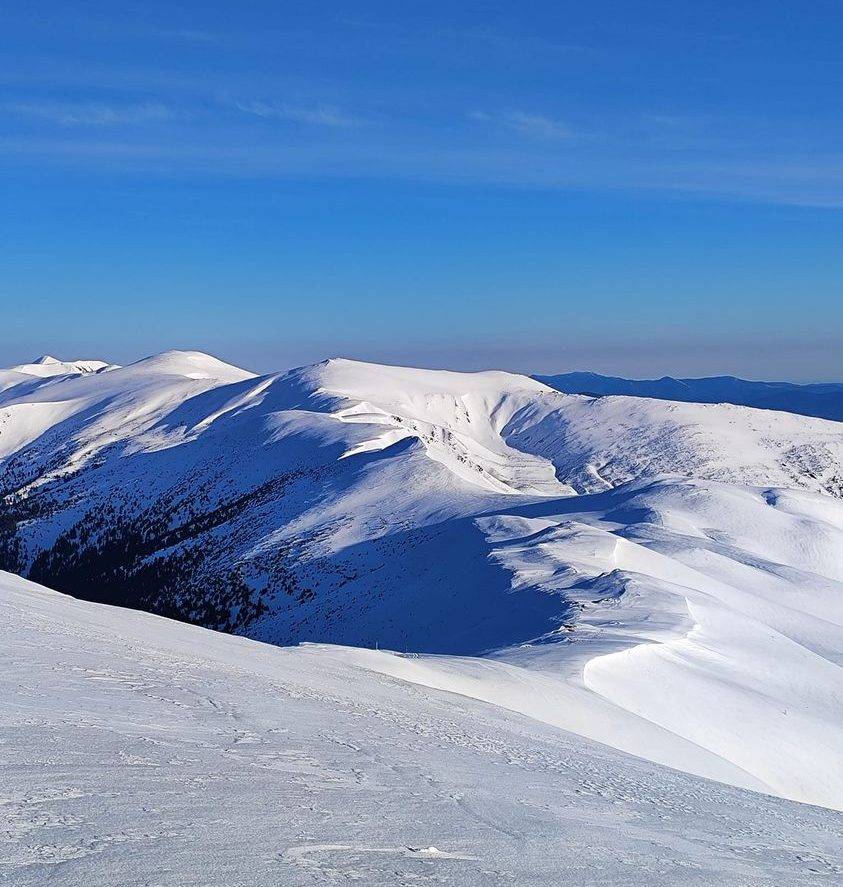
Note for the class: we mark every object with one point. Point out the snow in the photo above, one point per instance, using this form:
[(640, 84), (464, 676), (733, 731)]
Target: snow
[(740, 629), (47, 366), (141, 751), (109, 406), (191, 365), (597, 443), (458, 417), (663, 578)]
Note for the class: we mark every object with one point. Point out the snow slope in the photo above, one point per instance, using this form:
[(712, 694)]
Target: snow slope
[(661, 577), (141, 751)]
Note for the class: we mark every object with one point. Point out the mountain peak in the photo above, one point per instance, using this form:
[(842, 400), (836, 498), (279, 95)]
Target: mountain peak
[(47, 366), (192, 365)]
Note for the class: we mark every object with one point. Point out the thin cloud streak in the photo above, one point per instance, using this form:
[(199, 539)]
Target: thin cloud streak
[(89, 113), (792, 181), (528, 124), (318, 115), (189, 35)]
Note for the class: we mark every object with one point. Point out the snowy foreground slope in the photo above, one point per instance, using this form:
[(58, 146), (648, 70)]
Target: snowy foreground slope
[(665, 578), (137, 751)]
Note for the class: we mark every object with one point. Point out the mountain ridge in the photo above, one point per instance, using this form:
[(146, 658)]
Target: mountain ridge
[(582, 542)]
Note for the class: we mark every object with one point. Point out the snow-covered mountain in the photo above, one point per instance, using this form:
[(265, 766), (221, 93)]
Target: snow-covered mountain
[(47, 365), (47, 368), (663, 577), (139, 751), (822, 399)]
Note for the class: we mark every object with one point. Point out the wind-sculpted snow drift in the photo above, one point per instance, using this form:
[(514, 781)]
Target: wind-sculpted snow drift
[(663, 577)]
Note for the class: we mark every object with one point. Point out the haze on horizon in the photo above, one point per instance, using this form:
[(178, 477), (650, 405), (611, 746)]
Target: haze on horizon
[(433, 185)]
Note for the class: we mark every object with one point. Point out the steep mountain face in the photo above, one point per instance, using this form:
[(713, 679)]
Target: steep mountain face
[(822, 400), (602, 545)]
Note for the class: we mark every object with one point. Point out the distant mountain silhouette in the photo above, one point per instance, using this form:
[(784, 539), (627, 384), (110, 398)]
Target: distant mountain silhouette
[(823, 400)]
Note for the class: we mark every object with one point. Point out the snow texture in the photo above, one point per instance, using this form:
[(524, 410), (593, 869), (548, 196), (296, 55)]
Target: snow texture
[(138, 751), (661, 580)]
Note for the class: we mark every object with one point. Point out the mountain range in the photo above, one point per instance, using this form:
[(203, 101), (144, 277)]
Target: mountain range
[(823, 400), (559, 555)]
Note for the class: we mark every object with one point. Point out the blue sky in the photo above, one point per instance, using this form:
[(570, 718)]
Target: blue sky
[(629, 187)]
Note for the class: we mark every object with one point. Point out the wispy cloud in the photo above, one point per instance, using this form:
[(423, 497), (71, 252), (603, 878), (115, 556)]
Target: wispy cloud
[(190, 35), (589, 161), (89, 113), (533, 125), (317, 115)]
